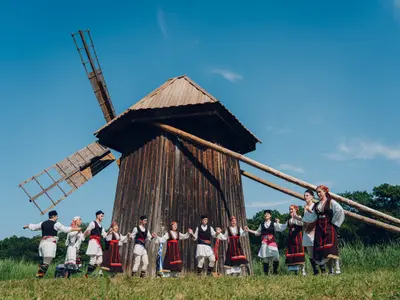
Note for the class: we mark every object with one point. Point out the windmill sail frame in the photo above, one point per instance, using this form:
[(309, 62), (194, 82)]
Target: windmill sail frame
[(74, 171)]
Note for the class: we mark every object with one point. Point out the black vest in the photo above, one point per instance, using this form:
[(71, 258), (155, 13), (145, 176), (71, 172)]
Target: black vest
[(141, 236), (204, 235), (48, 228), (326, 210), (96, 230), (268, 230)]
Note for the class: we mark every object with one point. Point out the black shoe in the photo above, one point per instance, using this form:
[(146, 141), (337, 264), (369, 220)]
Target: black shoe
[(266, 268), (322, 268), (276, 266), (199, 271), (314, 266), (209, 271), (142, 274)]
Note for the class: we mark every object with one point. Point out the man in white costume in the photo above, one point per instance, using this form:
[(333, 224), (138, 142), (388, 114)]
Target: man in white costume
[(203, 234), (94, 250), (48, 243), (140, 234)]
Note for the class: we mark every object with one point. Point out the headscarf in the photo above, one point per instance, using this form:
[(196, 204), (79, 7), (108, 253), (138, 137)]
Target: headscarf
[(113, 223), (295, 207), (74, 220), (232, 217)]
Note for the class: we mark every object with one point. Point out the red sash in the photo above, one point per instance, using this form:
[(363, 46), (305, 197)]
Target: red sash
[(97, 238)]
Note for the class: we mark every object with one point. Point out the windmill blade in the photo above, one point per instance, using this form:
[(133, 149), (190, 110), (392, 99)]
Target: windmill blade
[(58, 181), (91, 63)]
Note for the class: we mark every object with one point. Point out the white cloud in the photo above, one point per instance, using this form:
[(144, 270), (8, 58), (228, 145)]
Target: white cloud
[(228, 75), (279, 131), (364, 150), (161, 22), (266, 204), (287, 167)]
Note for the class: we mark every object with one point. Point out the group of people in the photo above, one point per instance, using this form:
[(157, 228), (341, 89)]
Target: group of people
[(316, 231)]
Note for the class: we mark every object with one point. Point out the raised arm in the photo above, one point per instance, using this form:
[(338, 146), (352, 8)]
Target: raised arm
[(195, 234), (33, 227), (184, 236), (60, 227), (279, 227), (338, 214), (242, 232), (224, 236), (89, 228), (255, 232)]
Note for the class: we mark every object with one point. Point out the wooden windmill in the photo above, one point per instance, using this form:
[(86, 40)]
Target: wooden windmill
[(180, 158)]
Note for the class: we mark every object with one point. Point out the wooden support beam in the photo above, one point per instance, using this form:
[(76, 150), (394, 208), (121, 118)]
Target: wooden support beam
[(300, 196), (265, 168)]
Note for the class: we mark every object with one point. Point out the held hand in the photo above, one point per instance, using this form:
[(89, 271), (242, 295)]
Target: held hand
[(277, 220), (154, 235), (25, 226), (246, 228), (190, 231), (218, 230)]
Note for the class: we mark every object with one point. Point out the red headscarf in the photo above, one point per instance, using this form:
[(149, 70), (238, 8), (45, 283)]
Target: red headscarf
[(232, 217), (172, 223), (295, 207)]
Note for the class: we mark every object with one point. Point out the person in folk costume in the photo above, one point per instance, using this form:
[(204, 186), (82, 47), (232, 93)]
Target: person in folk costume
[(234, 257), (203, 234), (48, 243), (329, 216), (269, 249), (295, 257), (172, 260), (111, 254), (140, 234), (309, 222), (73, 243), (95, 250)]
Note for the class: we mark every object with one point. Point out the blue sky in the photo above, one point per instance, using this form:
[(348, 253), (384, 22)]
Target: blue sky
[(317, 81)]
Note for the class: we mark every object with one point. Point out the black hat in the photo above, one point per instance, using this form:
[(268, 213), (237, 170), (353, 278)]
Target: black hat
[(143, 218), (268, 211), (99, 212), (52, 213), (203, 217)]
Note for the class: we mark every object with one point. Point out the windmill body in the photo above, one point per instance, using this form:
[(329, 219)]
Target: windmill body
[(169, 179)]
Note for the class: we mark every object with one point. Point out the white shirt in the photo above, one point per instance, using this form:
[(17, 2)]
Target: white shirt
[(266, 225), (93, 226), (174, 234), (204, 227), (142, 228), (233, 230), (338, 213), (57, 226), (121, 238)]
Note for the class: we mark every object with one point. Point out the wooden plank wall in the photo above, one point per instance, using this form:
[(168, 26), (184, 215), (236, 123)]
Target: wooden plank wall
[(172, 180)]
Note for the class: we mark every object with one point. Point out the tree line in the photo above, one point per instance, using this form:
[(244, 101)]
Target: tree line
[(385, 198)]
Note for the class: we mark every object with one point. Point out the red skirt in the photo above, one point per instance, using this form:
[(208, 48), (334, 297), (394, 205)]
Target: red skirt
[(325, 240), (234, 254), (295, 249), (172, 260), (111, 257)]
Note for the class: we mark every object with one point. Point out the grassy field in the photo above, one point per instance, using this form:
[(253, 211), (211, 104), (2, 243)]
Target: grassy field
[(368, 273)]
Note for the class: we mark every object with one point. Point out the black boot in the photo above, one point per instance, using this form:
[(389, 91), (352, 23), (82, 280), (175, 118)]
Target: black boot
[(314, 266), (42, 270), (133, 274), (266, 268), (199, 271), (209, 271), (322, 268), (90, 270), (276, 266), (142, 274)]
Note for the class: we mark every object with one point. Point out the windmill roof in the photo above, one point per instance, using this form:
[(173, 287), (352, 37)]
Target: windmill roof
[(175, 92)]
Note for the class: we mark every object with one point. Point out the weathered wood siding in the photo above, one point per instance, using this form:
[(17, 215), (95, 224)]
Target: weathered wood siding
[(172, 180)]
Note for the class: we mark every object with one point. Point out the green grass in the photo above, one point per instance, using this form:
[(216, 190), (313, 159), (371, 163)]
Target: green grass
[(367, 273)]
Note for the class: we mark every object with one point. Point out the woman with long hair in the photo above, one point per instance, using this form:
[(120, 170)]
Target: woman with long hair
[(329, 216), (295, 250)]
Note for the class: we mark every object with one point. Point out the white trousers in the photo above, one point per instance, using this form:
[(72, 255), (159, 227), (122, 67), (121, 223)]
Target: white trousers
[(136, 263), (95, 260), (47, 260), (211, 261)]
